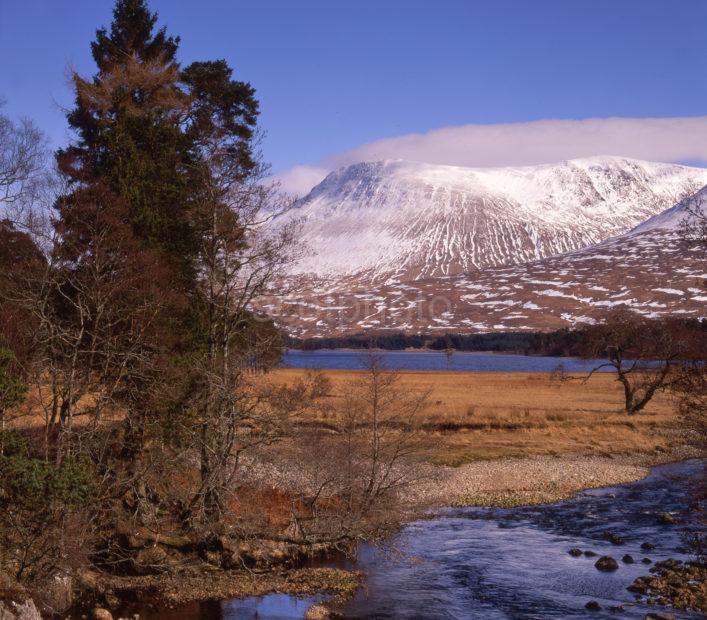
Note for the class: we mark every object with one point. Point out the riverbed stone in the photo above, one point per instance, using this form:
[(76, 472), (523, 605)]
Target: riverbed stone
[(99, 613), (669, 564), (665, 518), (590, 554), (593, 606), (317, 612), (58, 594), (647, 561), (646, 546), (606, 563), (628, 559), (26, 610), (575, 553), (613, 538)]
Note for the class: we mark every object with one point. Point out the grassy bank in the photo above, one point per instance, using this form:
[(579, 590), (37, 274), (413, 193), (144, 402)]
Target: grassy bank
[(472, 416)]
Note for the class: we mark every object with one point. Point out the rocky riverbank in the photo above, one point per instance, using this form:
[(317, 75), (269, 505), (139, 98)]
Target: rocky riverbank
[(504, 483), (683, 586), (534, 480)]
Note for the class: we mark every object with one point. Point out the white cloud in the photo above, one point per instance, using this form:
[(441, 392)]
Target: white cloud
[(535, 142), (300, 179)]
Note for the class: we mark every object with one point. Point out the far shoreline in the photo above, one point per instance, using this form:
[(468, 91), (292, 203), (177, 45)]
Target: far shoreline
[(422, 350)]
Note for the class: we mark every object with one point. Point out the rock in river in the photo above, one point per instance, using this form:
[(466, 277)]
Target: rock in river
[(665, 518), (606, 563), (575, 553), (614, 539)]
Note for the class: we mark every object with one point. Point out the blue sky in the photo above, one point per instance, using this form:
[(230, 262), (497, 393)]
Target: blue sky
[(334, 75)]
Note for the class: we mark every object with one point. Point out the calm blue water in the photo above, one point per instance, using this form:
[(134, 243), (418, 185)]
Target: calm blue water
[(268, 607), (278, 606), (434, 360)]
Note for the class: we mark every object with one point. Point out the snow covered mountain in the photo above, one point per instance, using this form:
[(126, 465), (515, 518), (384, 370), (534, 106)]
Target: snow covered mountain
[(651, 269), (682, 213), (407, 220)]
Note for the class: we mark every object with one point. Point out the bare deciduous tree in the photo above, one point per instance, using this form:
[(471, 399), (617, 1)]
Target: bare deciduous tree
[(23, 156), (645, 353), (239, 261), (90, 302), (349, 482)]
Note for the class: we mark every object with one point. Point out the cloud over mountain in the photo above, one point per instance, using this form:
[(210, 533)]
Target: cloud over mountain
[(514, 144)]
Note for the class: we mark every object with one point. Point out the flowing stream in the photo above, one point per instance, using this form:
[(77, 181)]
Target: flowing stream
[(487, 563), (514, 563)]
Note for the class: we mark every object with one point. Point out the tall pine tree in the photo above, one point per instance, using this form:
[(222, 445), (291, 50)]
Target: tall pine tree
[(128, 120), (152, 142), (146, 129)]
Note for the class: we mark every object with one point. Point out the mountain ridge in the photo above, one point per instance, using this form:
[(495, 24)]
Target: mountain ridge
[(410, 220), (652, 269)]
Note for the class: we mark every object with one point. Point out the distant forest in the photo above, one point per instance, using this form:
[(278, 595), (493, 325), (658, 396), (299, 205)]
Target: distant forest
[(562, 342)]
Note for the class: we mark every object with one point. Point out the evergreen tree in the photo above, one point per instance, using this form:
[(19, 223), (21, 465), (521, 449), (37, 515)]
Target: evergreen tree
[(155, 134), (128, 120), (159, 149), (223, 116), (131, 33)]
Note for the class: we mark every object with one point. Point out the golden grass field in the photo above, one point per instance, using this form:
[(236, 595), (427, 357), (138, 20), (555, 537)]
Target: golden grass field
[(471, 416)]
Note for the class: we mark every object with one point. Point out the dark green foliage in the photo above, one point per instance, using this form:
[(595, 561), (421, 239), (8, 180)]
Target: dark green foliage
[(132, 33), (42, 512), (13, 444), (224, 111), (128, 123), (33, 485), (562, 342), (12, 388), (154, 134)]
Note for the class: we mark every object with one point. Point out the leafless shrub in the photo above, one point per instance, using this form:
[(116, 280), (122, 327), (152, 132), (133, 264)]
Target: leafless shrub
[(694, 225), (690, 391), (351, 481)]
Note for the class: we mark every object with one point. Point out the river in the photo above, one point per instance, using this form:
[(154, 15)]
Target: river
[(487, 563)]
